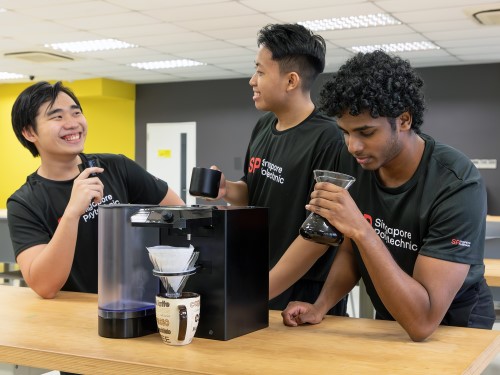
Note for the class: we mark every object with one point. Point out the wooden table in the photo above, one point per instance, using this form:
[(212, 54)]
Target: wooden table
[(492, 271), (62, 334)]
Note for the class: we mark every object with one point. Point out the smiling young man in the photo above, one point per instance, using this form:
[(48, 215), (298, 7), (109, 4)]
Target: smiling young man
[(53, 216), (414, 220), (288, 142)]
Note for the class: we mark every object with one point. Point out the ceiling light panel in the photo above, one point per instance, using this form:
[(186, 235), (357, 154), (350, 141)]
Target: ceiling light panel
[(396, 47), (90, 45), (352, 22), (378, 35), (167, 64), (7, 75)]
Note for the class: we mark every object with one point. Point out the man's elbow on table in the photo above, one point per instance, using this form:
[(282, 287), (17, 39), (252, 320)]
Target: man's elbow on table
[(419, 332), (43, 290)]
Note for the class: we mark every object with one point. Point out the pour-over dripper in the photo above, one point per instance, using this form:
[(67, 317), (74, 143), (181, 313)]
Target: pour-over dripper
[(315, 227), (174, 282), (173, 265)]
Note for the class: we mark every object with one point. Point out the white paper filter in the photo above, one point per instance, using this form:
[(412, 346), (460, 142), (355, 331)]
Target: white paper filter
[(170, 258)]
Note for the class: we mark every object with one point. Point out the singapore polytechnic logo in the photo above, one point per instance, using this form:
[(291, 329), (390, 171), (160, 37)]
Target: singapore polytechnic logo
[(267, 169), (455, 241)]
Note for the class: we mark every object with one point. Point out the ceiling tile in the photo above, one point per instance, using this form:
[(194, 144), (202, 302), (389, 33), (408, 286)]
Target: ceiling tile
[(223, 33)]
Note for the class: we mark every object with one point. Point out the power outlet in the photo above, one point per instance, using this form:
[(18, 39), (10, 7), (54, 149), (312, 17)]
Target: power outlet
[(485, 163)]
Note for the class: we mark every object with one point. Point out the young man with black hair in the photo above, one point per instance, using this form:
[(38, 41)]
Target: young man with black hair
[(414, 220), (290, 141), (53, 216)]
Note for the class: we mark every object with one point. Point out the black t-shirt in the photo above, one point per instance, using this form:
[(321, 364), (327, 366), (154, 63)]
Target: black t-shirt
[(440, 212), (279, 173), (36, 208)]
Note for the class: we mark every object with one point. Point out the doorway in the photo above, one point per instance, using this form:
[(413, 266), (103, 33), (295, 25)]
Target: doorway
[(171, 154)]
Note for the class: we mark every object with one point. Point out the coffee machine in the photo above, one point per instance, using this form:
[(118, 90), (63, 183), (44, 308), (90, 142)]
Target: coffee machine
[(232, 274)]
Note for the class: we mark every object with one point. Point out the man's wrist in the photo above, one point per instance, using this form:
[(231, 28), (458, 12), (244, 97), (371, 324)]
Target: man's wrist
[(364, 231), (322, 306), (70, 215)]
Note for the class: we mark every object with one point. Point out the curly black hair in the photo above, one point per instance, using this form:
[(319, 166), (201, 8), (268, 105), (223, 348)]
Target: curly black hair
[(295, 48), (383, 85)]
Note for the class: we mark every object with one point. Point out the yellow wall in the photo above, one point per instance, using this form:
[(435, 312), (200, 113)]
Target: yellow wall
[(109, 107)]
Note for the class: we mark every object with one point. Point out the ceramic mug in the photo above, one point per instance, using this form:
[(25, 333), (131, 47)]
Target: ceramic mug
[(177, 318)]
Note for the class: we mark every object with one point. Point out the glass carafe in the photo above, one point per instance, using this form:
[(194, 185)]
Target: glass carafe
[(316, 228)]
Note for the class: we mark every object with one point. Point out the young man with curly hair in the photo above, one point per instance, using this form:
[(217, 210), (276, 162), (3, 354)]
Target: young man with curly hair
[(288, 142), (414, 220)]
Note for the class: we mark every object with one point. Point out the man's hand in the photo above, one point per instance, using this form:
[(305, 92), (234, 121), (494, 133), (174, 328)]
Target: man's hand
[(297, 313), (85, 190), (335, 204), (222, 187), (233, 192)]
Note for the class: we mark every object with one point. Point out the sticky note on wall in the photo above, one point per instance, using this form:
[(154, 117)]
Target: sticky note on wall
[(164, 153)]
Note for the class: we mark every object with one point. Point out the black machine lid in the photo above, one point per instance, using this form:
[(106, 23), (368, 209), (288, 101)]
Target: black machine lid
[(172, 216)]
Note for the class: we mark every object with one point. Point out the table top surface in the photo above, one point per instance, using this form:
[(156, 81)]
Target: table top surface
[(61, 334)]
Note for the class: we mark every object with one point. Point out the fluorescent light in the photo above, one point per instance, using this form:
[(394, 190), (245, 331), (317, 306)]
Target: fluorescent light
[(353, 22), (6, 75), (90, 45), (3, 10), (167, 64), (396, 47)]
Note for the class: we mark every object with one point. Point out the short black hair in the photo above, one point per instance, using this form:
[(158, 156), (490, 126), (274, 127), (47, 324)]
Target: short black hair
[(383, 85), (295, 48), (27, 104)]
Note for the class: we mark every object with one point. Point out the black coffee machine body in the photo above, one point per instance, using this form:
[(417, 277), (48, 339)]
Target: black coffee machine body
[(232, 274)]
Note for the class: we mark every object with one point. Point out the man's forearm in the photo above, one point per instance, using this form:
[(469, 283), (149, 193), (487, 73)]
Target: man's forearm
[(299, 257), (236, 193), (342, 277), (46, 267)]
